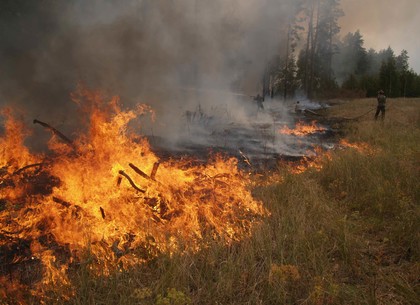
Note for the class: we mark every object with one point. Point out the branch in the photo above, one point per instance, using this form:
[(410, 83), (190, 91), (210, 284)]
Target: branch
[(121, 172), (54, 131)]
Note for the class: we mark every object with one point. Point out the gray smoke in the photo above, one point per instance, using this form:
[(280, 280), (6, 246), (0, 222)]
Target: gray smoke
[(385, 23), (177, 56)]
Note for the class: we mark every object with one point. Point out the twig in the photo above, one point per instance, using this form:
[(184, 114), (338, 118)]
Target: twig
[(312, 112), (121, 172), (102, 212)]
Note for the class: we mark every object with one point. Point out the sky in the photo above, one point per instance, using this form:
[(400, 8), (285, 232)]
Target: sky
[(384, 23)]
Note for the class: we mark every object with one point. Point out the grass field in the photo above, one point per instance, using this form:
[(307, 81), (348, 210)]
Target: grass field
[(345, 233)]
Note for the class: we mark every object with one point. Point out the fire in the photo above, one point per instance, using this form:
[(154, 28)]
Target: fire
[(13, 153), (313, 160), (107, 194), (301, 129), (360, 147)]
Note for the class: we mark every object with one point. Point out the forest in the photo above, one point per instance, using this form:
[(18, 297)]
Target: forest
[(317, 61)]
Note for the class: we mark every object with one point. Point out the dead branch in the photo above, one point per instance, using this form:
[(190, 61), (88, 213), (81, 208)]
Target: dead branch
[(26, 167), (119, 181), (54, 131), (62, 202), (154, 170), (121, 172), (139, 171)]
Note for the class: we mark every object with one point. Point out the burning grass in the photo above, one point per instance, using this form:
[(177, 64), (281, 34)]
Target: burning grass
[(105, 193), (301, 129), (345, 232)]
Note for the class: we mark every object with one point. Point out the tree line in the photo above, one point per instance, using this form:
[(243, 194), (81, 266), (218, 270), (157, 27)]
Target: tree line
[(315, 62)]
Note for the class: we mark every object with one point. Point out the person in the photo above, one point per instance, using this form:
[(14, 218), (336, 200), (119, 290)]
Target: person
[(259, 99), (298, 107), (381, 105)]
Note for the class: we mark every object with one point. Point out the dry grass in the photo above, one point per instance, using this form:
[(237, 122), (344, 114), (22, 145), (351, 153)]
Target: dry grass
[(347, 234)]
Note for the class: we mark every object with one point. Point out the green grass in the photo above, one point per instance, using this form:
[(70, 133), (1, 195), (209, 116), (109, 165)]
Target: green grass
[(346, 234)]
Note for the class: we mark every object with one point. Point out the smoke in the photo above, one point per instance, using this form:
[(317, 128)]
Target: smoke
[(385, 23), (177, 56)]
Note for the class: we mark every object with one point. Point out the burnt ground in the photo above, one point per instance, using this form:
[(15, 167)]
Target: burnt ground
[(255, 142)]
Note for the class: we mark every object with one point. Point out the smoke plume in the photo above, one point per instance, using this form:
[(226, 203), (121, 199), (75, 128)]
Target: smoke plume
[(178, 56)]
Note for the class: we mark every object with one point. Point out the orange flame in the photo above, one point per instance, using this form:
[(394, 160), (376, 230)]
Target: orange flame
[(360, 147), (313, 160), (301, 129), (111, 196), (13, 153)]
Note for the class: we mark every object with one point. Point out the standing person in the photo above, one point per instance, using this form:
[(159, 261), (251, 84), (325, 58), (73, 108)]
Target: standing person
[(299, 108), (381, 105)]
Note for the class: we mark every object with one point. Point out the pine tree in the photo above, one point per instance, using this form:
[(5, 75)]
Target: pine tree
[(402, 68), (388, 75)]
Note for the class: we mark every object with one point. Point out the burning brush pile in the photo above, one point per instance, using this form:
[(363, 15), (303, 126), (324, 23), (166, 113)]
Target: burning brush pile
[(108, 195)]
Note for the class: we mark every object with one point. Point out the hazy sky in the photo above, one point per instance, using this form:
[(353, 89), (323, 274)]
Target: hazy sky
[(384, 23)]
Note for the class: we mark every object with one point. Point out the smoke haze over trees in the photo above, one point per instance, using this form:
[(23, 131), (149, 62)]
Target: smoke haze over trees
[(147, 50)]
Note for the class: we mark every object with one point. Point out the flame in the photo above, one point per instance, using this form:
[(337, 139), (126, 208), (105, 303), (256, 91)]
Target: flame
[(301, 129), (361, 147), (313, 160), (14, 156), (108, 195), (13, 153)]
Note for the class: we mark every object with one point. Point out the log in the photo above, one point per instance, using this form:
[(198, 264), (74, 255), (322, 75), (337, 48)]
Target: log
[(54, 131), (121, 172)]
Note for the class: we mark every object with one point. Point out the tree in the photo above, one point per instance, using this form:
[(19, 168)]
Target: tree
[(280, 75), (316, 59), (388, 76), (328, 28), (353, 56), (402, 68)]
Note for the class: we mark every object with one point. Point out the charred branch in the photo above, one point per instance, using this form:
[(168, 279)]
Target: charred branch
[(119, 181), (121, 172), (118, 253), (154, 170), (139, 171), (102, 212), (54, 131), (62, 202), (27, 167)]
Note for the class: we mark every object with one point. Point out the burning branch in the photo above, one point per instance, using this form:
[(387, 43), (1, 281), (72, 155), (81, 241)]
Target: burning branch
[(121, 172), (62, 202), (139, 171), (154, 170), (26, 167), (102, 212), (55, 131)]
